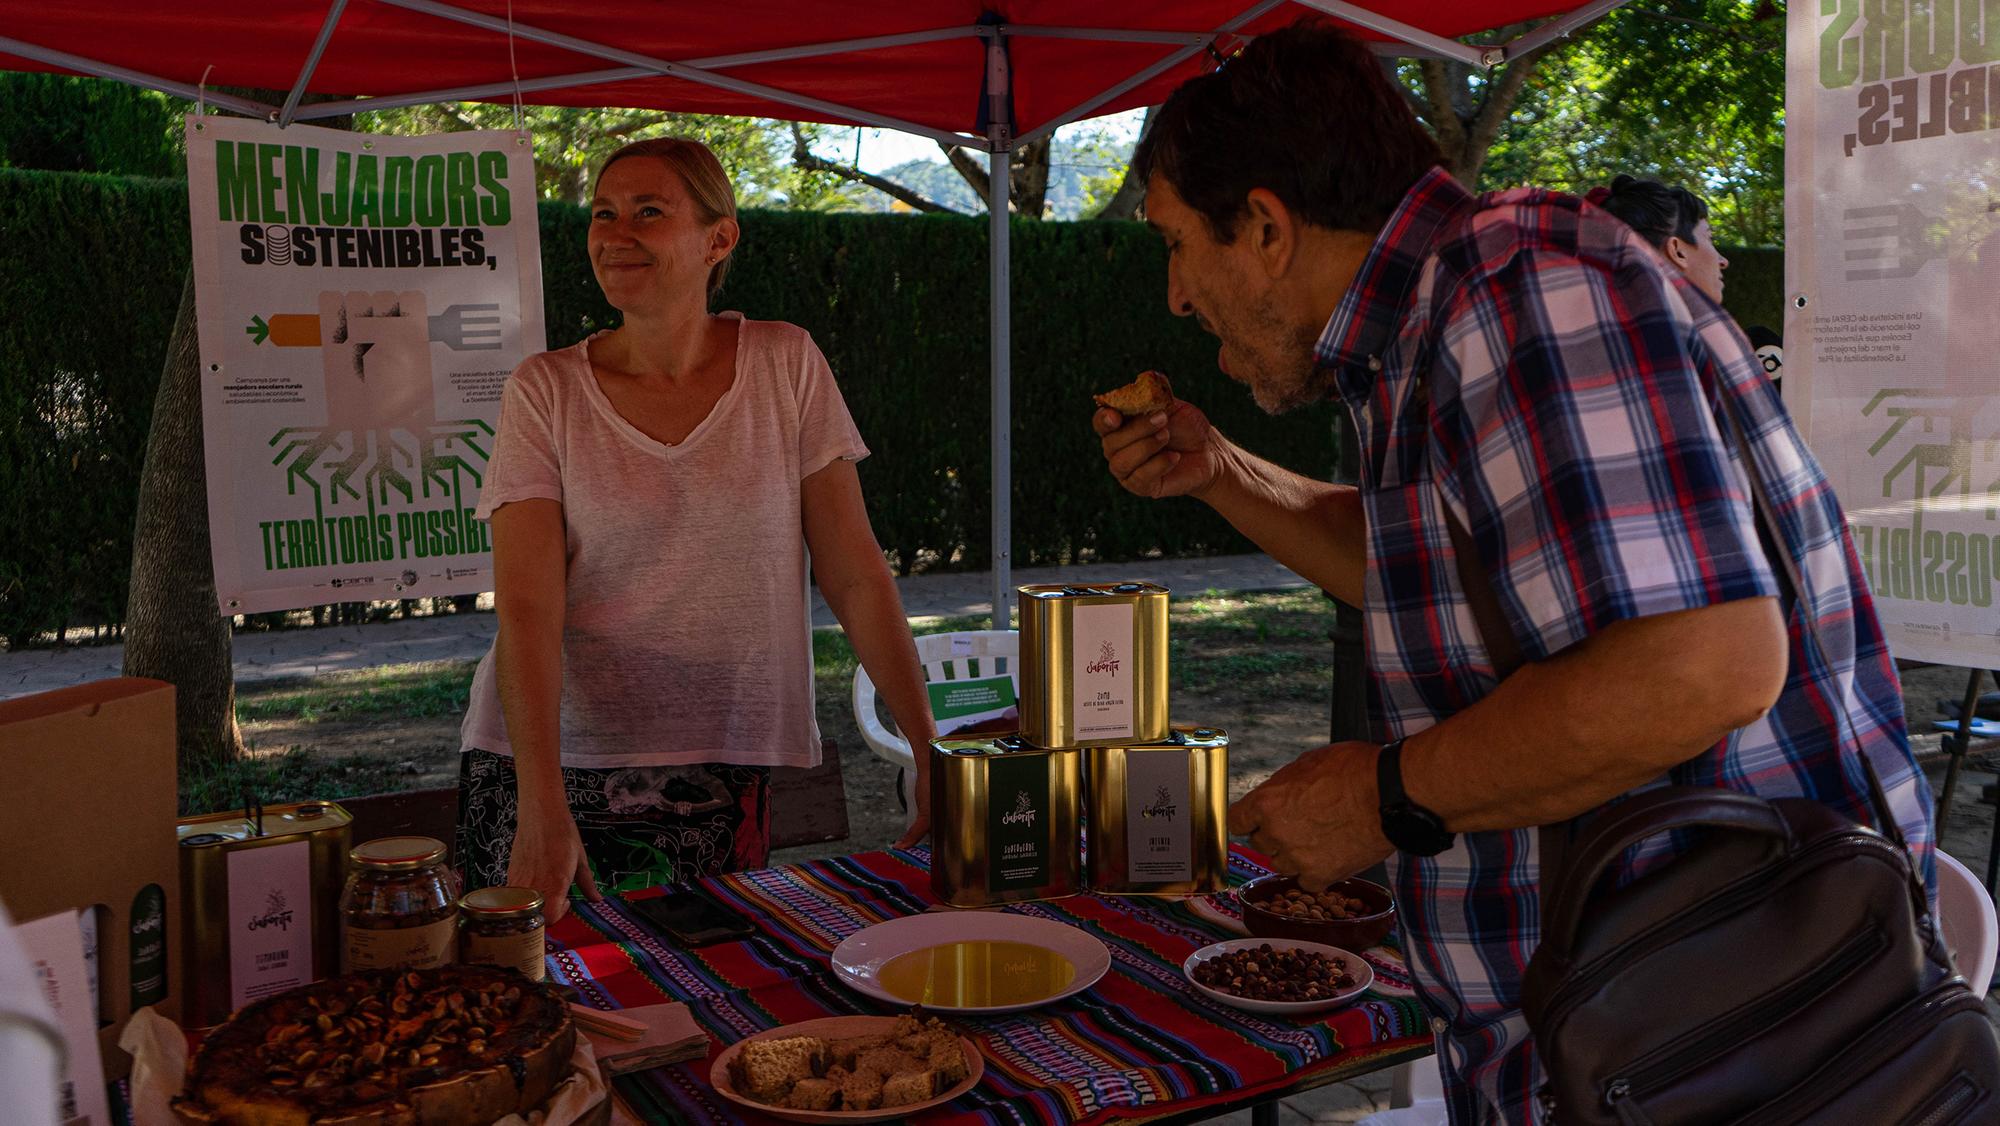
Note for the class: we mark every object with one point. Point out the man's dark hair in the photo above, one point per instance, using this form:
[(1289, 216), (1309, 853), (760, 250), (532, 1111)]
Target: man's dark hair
[(1655, 210), (1307, 113)]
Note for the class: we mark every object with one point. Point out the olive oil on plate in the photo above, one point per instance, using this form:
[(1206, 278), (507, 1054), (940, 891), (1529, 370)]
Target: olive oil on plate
[(977, 974)]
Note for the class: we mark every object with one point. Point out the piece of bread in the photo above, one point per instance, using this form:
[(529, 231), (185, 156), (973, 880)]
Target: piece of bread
[(1145, 395), (860, 1090), (769, 1068), (885, 1062), (843, 1051), (947, 1058), (906, 1087), (813, 1094)]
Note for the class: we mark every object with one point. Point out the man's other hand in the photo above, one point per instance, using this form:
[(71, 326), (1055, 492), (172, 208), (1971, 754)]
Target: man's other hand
[(1318, 816)]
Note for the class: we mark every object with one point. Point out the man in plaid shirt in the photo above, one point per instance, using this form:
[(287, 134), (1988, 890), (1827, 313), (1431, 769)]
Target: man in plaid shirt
[(1526, 365)]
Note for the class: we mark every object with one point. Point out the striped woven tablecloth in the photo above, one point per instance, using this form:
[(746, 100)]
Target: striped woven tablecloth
[(1142, 1043)]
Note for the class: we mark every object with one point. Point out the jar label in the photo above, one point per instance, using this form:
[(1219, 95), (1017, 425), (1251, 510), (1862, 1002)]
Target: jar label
[(1017, 822), (1102, 671), (522, 952), (419, 948), (1159, 836), (270, 920)]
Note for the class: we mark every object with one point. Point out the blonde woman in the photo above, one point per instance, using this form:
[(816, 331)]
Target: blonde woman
[(653, 495)]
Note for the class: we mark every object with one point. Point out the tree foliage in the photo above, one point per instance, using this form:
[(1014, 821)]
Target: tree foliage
[(1686, 91), (570, 144), (64, 124)]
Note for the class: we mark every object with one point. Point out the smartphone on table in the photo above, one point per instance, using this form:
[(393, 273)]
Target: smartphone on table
[(692, 917)]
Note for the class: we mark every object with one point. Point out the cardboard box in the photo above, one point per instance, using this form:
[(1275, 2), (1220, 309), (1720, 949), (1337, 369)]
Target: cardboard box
[(89, 823)]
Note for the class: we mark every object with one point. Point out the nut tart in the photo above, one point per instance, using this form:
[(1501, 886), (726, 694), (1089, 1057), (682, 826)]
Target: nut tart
[(453, 1046)]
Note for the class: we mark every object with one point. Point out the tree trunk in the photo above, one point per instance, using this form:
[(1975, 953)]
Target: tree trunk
[(1027, 174), (1464, 117), (173, 628)]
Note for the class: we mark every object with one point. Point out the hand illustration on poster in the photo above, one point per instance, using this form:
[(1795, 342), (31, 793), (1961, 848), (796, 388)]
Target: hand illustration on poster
[(356, 331), (376, 352)]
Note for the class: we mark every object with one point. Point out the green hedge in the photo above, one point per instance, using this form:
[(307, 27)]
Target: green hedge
[(91, 268)]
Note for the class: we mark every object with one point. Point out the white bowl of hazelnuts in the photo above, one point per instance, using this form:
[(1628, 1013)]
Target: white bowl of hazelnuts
[(1278, 976)]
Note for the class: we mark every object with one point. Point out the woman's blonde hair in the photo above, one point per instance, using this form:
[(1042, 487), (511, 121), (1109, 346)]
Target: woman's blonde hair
[(714, 196)]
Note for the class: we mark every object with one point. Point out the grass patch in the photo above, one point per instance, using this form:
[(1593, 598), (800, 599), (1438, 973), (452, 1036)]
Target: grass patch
[(422, 689), (297, 774), (1235, 648)]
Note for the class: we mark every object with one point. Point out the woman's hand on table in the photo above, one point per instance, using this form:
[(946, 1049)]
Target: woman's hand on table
[(548, 856), (920, 825)]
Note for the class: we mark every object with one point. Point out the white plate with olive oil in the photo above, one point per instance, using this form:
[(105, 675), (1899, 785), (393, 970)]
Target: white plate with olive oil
[(970, 961)]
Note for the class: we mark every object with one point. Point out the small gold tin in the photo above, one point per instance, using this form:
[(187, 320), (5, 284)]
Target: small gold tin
[(207, 843), (1158, 814), (1094, 670), (1004, 821)]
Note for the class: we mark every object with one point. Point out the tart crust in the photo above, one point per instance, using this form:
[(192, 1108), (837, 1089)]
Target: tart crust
[(458, 1045)]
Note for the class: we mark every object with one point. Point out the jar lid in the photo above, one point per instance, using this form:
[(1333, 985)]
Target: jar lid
[(501, 901), (397, 854)]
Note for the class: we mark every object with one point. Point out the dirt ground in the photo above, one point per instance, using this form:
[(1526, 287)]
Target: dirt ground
[(1266, 731)]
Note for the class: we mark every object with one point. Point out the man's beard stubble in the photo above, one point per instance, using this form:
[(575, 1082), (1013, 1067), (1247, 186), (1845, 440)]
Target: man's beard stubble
[(1291, 377)]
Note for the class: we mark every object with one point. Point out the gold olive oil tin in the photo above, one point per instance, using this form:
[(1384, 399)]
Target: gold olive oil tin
[(1158, 814), (260, 903), (1094, 669), (1004, 821)]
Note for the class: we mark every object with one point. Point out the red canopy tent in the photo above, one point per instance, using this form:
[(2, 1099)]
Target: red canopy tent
[(986, 76)]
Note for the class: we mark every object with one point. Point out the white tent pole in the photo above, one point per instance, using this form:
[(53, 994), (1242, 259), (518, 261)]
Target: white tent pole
[(1103, 34), (672, 69), (1557, 28), (1397, 29), (312, 63), (470, 93), (130, 77), (814, 50), (1201, 43), (999, 130)]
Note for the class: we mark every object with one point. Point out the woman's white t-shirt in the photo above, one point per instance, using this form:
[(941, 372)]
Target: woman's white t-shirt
[(686, 635)]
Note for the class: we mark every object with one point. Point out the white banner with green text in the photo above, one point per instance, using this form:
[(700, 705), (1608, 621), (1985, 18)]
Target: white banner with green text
[(361, 300), (1892, 266)]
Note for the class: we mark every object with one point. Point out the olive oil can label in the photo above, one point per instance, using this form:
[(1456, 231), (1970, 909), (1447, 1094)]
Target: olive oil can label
[(270, 920), (521, 952), (148, 947), (1102, 671), (1017, 822), (1159, 834), (419, 948)]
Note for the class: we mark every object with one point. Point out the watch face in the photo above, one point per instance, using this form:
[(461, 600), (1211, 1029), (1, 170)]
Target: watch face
[(1415, 830)]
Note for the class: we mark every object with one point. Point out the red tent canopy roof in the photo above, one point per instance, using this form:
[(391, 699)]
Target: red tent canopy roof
[(389, 47)]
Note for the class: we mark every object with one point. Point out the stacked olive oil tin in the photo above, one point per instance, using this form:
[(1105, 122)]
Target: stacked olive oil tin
[(1096, 752)]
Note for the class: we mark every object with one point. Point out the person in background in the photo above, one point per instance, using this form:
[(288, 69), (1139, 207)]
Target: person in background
[(654, 493), (1536, 396), (1675, 221)]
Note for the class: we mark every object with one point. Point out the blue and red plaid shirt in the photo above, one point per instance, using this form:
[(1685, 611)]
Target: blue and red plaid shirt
[(1527, 360)]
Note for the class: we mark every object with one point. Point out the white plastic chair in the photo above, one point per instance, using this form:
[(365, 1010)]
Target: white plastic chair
[(944, 656), (1966, 913)]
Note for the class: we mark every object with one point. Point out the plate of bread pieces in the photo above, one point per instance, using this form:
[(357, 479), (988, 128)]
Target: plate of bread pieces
[(848, 1069), (1148, 394)]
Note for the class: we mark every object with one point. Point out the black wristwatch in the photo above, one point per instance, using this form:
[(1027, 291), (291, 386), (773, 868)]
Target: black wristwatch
[(1409, 826)]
